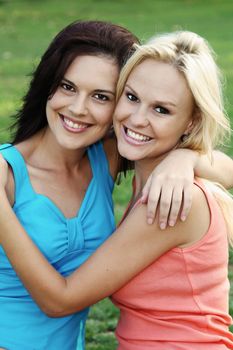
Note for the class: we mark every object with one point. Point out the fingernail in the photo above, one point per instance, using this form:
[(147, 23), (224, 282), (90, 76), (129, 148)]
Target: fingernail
[(183, 218), (162, 225), (149, 221), (171, 223)]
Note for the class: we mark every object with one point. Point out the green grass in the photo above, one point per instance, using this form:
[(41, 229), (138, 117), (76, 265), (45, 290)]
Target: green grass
[(28, 26)]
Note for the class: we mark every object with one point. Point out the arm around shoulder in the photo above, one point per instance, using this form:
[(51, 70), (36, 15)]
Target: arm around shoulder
[(220, 169), (133, 246)]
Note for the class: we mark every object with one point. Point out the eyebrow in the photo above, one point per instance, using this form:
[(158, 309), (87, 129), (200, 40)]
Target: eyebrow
[(97, 90), (167, 103)]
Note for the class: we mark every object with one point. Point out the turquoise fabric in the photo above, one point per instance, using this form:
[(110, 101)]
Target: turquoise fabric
[(66, 243)]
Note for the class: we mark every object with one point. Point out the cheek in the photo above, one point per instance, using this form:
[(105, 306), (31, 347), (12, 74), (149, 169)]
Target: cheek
[(48, 110), (120, 112), (53, 103), (104, 115)]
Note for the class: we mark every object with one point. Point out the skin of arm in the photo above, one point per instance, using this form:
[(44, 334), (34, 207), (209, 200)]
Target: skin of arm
[(220, 169), (169, 187), (132, 247)]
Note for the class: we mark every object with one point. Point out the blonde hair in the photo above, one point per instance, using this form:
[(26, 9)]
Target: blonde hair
[(191, 55)]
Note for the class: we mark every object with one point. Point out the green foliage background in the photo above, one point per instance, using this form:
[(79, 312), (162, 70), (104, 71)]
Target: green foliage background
[(27, 27)]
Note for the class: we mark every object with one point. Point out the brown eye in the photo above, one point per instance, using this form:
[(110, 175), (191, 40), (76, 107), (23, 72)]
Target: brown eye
[(67, 87), (101, 97)]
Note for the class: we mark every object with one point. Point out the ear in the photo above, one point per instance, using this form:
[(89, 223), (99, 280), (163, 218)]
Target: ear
[(193, 122), (189, 127)]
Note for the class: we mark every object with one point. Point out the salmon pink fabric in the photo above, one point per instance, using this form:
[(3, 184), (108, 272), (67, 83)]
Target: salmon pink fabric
[(181, 300)]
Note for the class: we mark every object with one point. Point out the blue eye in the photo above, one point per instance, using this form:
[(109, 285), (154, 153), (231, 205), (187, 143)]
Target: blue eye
[(131, 97), (161, 110)]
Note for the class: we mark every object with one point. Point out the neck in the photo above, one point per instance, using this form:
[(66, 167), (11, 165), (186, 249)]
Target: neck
[(143, 169), (43, 150)]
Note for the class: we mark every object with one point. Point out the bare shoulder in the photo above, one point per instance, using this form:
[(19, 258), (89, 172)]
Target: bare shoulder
[(198, 220), (182, 234), (110, 147), (25, 148)]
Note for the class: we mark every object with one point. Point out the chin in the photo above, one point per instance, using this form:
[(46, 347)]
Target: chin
[(128, 155), (70, 145)]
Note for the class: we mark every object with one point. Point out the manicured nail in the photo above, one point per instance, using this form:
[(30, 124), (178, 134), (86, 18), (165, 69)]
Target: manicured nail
[(149, 221), (183, 218), (162, 225), (171, 223)]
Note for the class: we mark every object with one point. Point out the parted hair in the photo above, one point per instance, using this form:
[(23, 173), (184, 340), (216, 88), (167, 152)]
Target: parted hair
[(96, 38)]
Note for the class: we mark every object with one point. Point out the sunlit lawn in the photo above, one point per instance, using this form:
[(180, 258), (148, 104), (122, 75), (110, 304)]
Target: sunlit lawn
[(26, 27)]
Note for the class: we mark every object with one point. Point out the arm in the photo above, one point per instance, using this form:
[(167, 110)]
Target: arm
[(219, 170), (134, 245), (169, 187)]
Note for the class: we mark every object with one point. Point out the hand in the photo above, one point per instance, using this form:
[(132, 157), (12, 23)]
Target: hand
[(4, 172), (169, 188)]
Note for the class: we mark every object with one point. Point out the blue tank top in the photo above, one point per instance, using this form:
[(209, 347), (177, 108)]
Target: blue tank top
[(66, 243)]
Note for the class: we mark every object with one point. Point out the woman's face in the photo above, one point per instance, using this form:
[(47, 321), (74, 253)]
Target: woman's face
[(154, 111), (80, 111)]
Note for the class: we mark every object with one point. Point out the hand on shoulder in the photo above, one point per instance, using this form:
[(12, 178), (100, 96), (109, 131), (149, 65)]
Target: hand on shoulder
[(182, 234)]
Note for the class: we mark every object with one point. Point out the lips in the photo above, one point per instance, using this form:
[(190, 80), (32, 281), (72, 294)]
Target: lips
[(135, 137), (73, 126)]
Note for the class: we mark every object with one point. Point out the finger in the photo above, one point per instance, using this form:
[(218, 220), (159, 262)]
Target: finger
[(187, 201), (152, 204), (165, 205), (176, 204), (146, 190)]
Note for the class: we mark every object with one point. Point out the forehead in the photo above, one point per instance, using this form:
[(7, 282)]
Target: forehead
[(101, 69), (161, 80)]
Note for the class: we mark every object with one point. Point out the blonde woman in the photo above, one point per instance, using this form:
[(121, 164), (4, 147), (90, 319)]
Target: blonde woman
[(171, 285)]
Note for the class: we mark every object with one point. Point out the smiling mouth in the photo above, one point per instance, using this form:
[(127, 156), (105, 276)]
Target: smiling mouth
[(135, 136), (72, 125)]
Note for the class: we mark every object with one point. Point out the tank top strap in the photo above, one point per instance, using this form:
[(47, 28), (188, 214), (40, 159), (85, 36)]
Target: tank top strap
[(206, 190), (99, 163), (214, 207), (21, 177)]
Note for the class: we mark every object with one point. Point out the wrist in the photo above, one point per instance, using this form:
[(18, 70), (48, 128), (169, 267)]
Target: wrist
[(190, 155)]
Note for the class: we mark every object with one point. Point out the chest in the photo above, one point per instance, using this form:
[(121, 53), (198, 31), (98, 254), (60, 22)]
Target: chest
[(65, 241), (67, 192)]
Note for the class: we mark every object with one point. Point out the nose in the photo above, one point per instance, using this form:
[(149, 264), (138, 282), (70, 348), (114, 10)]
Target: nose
[(78, 105), (139, 116)]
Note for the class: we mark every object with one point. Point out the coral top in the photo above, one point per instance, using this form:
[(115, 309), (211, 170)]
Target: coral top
[(181, 300)]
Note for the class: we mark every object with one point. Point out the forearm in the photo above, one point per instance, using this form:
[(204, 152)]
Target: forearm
[(135, 245), (26, 258), (219, 169)]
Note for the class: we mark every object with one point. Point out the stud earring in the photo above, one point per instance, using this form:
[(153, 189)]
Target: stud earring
[(184, 137)]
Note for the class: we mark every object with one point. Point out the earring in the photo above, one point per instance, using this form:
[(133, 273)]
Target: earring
[(184, 137)]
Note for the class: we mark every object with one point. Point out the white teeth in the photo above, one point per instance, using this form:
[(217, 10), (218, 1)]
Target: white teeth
[(73, 125), (138, 137)]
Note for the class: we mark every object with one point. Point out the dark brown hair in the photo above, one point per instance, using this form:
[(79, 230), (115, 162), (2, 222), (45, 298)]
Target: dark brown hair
[(78, 38)]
